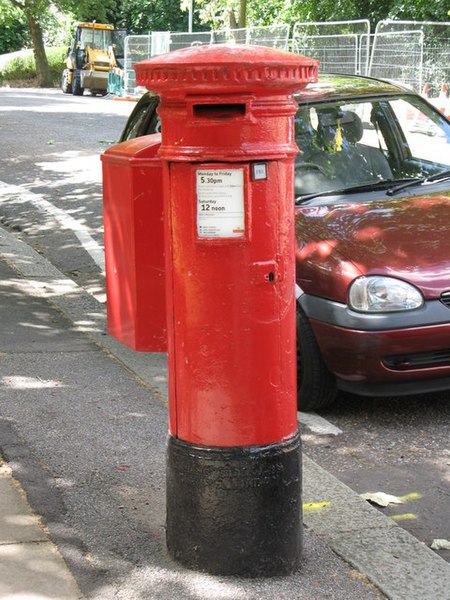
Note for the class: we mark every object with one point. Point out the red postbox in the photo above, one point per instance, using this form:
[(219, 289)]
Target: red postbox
[(234, 473), (134, 244)]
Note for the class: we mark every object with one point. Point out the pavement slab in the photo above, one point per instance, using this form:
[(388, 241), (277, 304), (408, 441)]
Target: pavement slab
[(83, 425), (18, 524), (31, 567)]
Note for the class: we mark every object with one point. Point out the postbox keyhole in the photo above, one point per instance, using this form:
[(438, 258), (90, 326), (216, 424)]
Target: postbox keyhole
[(267, 271)]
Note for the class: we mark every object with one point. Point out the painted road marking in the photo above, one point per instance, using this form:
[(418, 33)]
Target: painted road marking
[(94, 249), (317, 424)]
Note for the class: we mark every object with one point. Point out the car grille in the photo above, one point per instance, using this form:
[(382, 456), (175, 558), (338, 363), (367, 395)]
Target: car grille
[(422, 360), (445, 299)]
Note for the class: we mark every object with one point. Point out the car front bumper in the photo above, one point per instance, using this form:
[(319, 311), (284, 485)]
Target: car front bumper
[(395, 353)]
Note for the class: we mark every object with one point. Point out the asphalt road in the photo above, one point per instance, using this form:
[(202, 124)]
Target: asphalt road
[(51, 144), (50, 192)]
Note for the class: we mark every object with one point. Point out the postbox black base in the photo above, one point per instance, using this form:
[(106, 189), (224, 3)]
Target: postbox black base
[(235, 511)]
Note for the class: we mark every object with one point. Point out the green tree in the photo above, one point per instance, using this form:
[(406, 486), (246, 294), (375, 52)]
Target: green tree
[(144, 16), (35, 12), (14, 33), (232, 13), (417, 10), (102, 11), (223, 13)]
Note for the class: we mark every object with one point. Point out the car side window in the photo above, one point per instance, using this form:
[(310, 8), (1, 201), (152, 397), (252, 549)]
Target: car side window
[(134, 125), (339, 147), (153, 122), (428, 138), (144, 119)]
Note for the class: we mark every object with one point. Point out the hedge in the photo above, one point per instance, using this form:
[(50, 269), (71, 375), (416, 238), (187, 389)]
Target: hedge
[(22, 69)]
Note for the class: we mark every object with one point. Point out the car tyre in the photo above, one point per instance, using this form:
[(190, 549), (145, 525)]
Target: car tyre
[(65, 85), (77, 90), (316, 385)]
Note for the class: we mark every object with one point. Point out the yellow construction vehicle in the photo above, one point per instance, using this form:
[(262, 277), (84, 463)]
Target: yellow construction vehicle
[(95, 49)]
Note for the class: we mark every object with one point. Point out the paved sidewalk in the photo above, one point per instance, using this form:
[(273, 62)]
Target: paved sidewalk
[(83, 426), (30, 564)]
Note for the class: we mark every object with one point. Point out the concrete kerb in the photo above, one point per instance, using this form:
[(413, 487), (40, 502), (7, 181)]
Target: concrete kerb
[(401, 566), (397, 563)]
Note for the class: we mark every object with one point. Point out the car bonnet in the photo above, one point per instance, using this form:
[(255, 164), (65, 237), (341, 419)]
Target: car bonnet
[(407, 238)]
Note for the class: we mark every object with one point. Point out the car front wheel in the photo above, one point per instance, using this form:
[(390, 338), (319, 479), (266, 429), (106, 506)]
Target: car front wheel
[(316, 385)]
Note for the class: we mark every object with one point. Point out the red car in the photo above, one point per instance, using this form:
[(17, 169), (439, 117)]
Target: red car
[(372, 195)]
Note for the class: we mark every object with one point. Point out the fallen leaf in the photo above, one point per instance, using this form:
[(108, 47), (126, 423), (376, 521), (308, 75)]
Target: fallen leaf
[(411, 496), (440, 545), (381, 498), (123, 467), (404, 517), (315, 505)]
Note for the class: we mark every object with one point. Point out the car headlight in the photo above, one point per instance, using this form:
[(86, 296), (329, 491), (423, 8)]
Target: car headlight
[(376, 294)]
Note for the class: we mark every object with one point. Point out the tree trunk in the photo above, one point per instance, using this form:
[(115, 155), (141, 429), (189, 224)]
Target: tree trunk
[(240, 21), (242, 13), (232, 19), (42, 67)]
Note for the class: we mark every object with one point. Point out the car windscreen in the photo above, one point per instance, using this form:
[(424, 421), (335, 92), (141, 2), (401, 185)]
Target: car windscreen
[(356, 143)]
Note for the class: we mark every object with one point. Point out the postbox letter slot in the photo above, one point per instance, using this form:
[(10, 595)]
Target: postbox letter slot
[(219, 111)]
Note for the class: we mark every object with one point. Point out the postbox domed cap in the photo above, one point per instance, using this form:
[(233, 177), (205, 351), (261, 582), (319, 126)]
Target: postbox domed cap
[(223, 68)]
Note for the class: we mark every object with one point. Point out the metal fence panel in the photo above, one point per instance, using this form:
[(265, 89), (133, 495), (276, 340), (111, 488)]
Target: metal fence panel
[(434, 67), (236, 36), (410, 52), (341, 46), (185, 40), (398, 56), (137, 48), (274, 36), (337, 53), (160, 42), (140, 47)]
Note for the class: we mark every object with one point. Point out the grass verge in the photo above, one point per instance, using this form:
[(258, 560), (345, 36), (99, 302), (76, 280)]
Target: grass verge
[(20, 71)]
